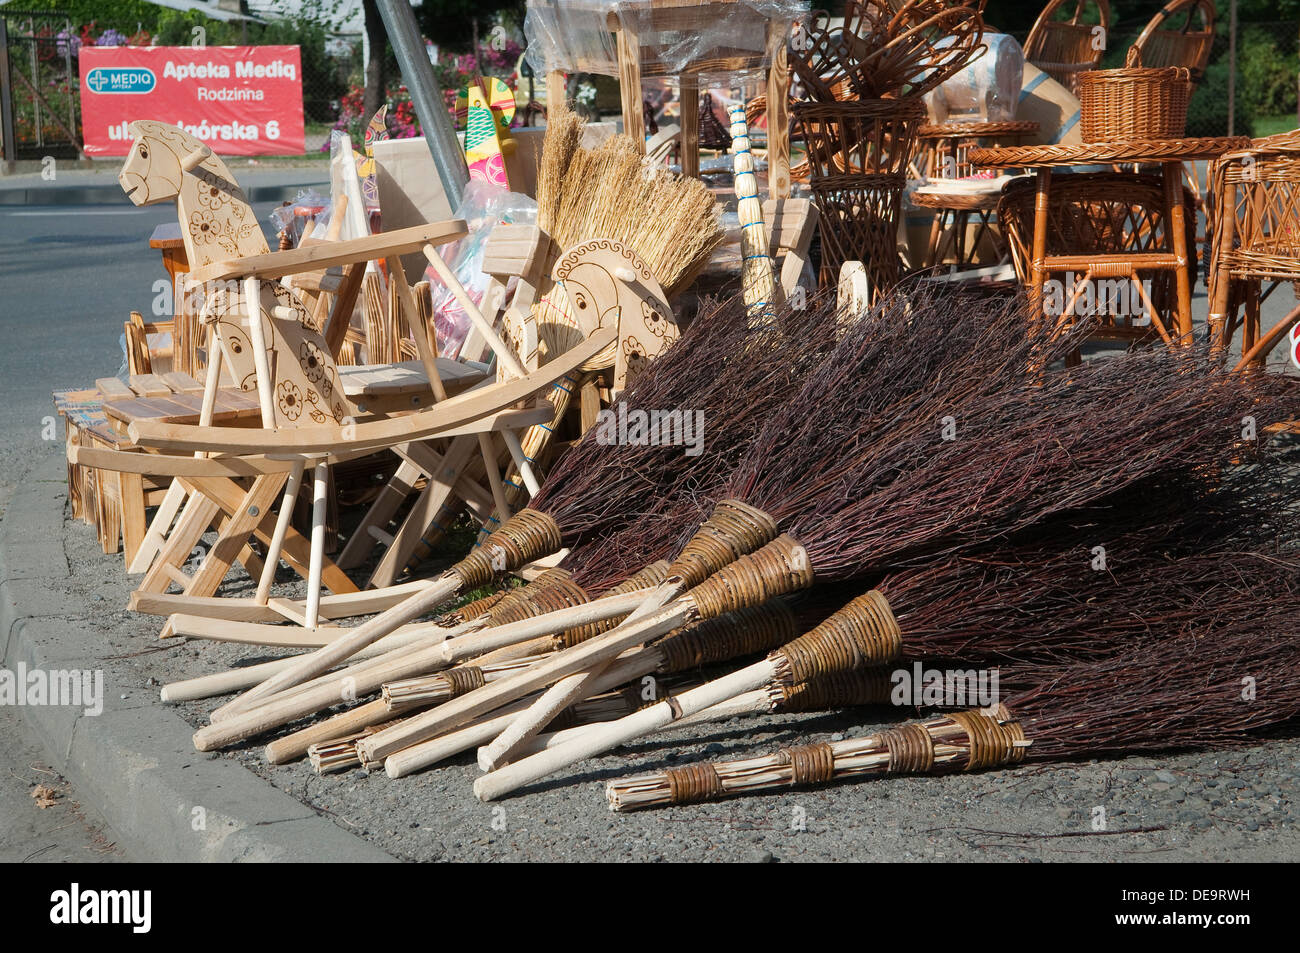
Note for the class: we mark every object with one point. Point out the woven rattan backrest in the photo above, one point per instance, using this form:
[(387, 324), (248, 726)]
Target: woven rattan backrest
[(1065, 48), (1179, 35)]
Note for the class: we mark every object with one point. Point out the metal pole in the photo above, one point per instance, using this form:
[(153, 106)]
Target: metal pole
[(417, 71), (1232, 67), (10, 145)]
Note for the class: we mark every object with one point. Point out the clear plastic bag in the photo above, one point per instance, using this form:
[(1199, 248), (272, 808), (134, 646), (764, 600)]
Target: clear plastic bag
[(483, 207), (290, 217), (576, 37), (986, 90)]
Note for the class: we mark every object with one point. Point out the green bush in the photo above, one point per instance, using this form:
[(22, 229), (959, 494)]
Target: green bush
[(1268, 68), (1207, 113)]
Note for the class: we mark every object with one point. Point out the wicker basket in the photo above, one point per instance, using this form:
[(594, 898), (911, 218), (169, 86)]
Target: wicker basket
[(1119, 105)]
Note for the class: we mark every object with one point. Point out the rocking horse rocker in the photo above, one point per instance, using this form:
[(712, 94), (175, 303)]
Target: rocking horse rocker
[(284, 353)]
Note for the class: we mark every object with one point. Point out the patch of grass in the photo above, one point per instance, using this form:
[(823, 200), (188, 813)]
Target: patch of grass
[(1272, 125)]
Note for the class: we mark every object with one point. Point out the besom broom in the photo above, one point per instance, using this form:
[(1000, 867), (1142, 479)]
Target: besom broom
[(1034, 452), (1218, 688)]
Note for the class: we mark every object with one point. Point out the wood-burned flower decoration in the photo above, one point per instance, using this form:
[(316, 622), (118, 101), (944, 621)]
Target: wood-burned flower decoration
[(313, 365), (656, 321), (289, 398), (203, 227)]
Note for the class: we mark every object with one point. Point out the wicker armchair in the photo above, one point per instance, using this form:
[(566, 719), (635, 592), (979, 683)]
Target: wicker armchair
[(1163, 44), (1256, 228), (1091, 216), (1065, 48)]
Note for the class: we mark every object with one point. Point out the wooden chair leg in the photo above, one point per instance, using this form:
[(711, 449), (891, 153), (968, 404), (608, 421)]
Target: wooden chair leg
[(431, 500), (243, 520)]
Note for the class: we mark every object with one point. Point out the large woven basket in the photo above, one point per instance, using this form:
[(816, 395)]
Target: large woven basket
[(868, 136), (1120, 105)]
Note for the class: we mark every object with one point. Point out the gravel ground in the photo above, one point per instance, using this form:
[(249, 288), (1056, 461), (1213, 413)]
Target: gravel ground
[(1216, 806)]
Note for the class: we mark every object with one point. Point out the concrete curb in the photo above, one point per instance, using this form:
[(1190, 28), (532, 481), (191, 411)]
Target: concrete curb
[(112, 195), (135, 762)]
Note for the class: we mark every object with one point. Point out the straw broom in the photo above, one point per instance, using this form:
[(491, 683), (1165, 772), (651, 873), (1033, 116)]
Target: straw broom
[(1047, 452), (1183, 692)]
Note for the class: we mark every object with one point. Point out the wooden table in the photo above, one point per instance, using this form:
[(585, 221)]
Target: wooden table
[(662, 23), (1169, 155)]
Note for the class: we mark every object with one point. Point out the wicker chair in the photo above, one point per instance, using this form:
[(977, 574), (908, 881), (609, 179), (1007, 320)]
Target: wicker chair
[(1091, 215), (1257, 241), (1065, 48), (1187, 45)]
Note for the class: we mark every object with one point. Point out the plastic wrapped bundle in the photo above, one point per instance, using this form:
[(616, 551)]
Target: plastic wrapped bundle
[(986, 89), (718, 36)]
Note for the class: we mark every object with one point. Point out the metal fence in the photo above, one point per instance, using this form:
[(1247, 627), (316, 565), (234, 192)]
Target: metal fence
[(41, 111)]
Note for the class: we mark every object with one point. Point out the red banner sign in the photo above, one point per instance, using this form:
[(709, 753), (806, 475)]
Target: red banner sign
[(240, 100)]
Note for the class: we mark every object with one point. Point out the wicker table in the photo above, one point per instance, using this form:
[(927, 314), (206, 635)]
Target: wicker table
[(945, 153), (1168, 154)]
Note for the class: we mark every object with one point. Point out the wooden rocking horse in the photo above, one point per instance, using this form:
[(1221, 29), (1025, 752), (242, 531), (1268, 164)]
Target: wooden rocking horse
[(285, 355), (287, 359)]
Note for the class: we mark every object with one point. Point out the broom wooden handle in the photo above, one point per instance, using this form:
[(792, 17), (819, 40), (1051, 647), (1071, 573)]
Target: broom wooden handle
[(490, 697), (601, 738), (566, 691), (417, 659), (326, 657), (427, 753), (750, 703)]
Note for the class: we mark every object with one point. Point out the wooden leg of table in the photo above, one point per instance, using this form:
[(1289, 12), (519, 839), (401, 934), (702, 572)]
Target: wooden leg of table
[(438, 491), (1259, 351), (381, 512), (257, 501), (319, 500), (936, 240), (195, 518), (778, 113), (629, 82), (282, 519), (689, 94), (555, 93), (1177, 219)]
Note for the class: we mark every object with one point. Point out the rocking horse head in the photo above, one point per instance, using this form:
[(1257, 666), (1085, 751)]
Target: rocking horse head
[(603, 280), (160, 156), (608, 285), (167, 163)]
